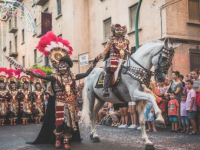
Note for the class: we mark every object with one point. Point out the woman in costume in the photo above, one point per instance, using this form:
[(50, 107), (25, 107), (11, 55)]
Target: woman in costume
[(13, 96), (62, 109), (25, 98), (38, 98), (3, 95)]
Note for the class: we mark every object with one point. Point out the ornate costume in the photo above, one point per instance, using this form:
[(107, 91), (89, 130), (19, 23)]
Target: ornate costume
[(3, 95), (25, 98), (62, 105), (38, 98), (13, 96), (116, 44)]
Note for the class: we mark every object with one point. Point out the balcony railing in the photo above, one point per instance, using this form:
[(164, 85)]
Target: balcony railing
[(41, 2)]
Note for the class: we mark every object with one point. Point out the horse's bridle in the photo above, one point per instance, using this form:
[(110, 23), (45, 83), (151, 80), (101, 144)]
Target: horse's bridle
[(160, 68)]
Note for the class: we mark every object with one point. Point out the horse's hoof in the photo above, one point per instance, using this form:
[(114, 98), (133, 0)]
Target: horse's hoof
[(95, 139), (91, 136), (159, 122), (149, 147)]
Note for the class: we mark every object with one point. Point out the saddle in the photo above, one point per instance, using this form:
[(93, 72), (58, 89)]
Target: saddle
[(114, 79)]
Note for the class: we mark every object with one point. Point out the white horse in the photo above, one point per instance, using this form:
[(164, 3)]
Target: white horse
[(153, 53)]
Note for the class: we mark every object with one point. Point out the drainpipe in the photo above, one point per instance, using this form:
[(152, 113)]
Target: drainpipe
[(136, 25)]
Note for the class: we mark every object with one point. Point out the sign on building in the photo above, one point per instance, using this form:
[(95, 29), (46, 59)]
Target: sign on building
[(83, 60)]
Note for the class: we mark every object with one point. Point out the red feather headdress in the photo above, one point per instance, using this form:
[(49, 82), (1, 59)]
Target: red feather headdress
[(50, 41)]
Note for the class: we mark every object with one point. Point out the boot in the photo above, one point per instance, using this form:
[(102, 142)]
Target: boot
[(58, 137), (39, 121), (66, 144), (36, 121), (11, 122), (105, 83), (23, 121), (2, 122), (26, 121), (14, 123)]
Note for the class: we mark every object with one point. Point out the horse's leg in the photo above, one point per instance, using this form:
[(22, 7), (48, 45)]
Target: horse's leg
[(146, 96), (148, 143), (94, 136)]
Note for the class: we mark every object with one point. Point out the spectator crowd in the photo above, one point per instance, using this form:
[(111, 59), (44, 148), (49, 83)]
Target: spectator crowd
[(179, 103)]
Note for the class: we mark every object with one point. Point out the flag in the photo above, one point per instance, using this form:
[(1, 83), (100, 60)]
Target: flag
[(46, 22)]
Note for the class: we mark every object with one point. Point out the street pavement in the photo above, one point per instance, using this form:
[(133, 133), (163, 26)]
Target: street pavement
[(112, 138)]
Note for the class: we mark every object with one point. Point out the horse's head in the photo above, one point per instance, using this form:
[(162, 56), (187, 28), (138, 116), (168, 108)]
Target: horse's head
[(162, 60)]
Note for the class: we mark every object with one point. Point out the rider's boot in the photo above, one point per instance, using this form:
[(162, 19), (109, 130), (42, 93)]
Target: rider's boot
[(105, 85)]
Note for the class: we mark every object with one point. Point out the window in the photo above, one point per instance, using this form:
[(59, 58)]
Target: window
[(10, 66), (194, 10), (132, 16), (35, 56), (46, 10), (46, 61), (10, 46), (15, 22), (10, 24), (15, 43), (59, 8), (23, 61), (23, 36), (35, 21), (107, 30)]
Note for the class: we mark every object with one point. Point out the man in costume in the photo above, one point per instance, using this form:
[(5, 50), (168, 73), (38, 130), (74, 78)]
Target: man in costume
[(62, 105), (13, 96), (116, 44), (25, 98), (38, 98), (3, 95)]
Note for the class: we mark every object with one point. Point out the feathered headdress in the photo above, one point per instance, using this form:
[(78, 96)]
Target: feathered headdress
[(54, 47), (4, 74), (24, 78)]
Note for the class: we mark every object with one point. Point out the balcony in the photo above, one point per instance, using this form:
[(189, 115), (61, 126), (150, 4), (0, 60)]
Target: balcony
[(13, 25), (13, 54), (41, 2), (39, 31)]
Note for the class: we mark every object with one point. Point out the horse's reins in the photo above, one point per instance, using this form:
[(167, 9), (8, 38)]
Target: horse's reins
[(148, 71)]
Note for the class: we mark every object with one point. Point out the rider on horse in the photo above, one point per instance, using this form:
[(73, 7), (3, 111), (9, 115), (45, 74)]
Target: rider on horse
[(116, 44)]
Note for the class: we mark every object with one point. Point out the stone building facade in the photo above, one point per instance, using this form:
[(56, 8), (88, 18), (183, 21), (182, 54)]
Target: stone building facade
[(86, 24)]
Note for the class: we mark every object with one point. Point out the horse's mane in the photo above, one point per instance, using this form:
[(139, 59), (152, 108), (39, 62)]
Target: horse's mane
[(148, 44)]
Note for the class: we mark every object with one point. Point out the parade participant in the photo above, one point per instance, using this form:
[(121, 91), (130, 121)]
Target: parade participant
[(13, 96), (38, 98), (62, 105), (116, 44), (25, 98), (3, 95)]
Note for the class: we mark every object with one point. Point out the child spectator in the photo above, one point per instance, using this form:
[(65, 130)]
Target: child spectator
[(160, 91), (191, 106), (173, 112), (184, 117), (149, 116)]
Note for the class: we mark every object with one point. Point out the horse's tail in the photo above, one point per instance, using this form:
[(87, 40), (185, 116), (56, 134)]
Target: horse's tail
[(85, 118)]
